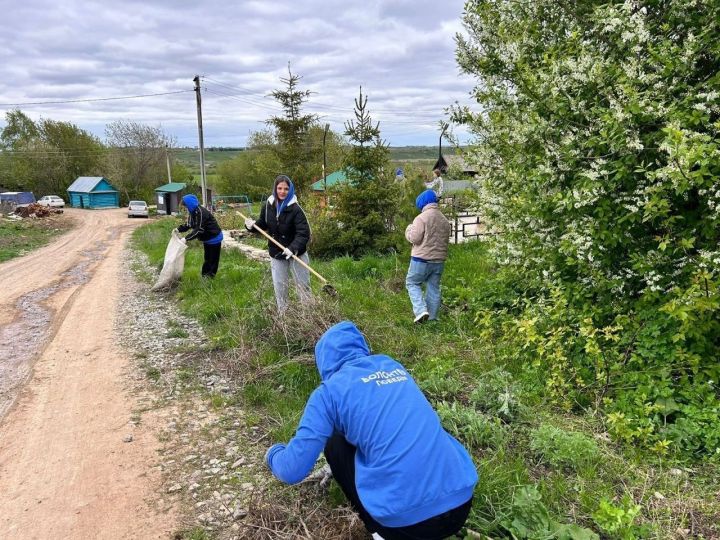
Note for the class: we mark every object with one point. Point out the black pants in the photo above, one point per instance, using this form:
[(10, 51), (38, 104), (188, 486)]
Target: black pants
[(340, 455), (212, 259)]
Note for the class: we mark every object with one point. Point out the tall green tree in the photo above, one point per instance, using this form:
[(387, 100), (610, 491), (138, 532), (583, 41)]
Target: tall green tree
[(366, 207), (599, 160), (291, 130), (252, 172), (48, 155), (136, 158)]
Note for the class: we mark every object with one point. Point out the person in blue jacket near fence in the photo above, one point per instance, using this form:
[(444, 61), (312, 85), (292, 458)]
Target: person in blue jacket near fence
[(206, 229), (402, 472)]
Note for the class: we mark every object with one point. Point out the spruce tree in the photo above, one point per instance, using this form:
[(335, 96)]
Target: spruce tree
[(367, 205), (291, 130)]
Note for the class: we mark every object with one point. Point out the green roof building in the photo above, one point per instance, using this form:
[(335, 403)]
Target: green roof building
[(168, 197), (334, 179)]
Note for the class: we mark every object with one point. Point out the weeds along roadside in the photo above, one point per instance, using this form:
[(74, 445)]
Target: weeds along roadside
[(20, 236), (541, 471)]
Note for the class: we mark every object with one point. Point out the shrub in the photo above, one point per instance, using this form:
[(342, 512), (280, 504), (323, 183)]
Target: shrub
[(560, 448), (474, 429), (598, 159), (496, 393), (618, 521)]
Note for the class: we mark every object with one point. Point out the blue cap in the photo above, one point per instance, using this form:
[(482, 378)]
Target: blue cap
[(426, 197), (191, 202)]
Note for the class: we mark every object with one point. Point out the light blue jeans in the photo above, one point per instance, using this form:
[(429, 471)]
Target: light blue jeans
[(428, 273), (280, 270)]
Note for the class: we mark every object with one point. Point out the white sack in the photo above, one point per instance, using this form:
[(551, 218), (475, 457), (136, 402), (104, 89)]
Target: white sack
[(174, 262)]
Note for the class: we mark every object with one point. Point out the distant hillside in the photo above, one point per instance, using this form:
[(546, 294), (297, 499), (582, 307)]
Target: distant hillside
[(398, 153), (190, 157)]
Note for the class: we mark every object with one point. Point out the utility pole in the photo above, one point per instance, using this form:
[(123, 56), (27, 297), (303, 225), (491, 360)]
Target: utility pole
[(167, 160), (327, 126), (200, 136)]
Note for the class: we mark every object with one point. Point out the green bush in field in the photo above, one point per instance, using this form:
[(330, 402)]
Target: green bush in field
[(618, 521), (529, 519), (598, 161), (364, 216), (474, 429), (560, 448), (496, 393)]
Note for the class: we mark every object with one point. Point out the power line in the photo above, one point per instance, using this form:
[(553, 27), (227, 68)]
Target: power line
[(88, 100), (321, 106), (247, 101), (383, 117)]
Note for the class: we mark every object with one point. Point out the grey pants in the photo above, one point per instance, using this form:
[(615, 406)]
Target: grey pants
[(280, 269)]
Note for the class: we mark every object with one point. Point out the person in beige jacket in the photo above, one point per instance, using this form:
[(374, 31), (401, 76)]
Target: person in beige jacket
[(429, 234)]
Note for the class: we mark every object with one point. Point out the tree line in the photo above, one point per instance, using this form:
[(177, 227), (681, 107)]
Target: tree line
[(46, 156)]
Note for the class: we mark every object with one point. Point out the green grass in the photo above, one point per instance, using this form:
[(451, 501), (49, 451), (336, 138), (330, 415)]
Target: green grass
[(18, 238), (532, 460)]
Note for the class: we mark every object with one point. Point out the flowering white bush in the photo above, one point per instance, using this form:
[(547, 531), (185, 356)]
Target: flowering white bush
[(597, 146)]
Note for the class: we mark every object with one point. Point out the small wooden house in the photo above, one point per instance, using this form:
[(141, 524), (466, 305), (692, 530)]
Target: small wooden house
[(168, 197), (93, 192), (456, 161)]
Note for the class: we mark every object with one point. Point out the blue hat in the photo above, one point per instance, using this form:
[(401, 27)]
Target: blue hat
[(426, 197), (191, 202), (399, 172)]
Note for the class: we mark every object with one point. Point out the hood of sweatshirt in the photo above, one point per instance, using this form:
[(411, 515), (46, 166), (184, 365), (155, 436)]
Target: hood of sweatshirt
[(191, 202), (339, 344), (290, 199), (426, 197)]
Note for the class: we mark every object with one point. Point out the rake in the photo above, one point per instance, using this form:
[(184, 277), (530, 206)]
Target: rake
[(327, 288)]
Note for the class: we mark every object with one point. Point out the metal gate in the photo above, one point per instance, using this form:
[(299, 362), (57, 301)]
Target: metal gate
[(465, 225)]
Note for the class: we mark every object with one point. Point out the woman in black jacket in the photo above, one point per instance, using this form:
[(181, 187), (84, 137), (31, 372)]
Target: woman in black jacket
[(283, 219), (206, 229)]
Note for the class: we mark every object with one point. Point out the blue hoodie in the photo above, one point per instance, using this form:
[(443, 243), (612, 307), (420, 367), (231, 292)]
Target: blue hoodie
[(407, 467), (426, 197), (192, 204)]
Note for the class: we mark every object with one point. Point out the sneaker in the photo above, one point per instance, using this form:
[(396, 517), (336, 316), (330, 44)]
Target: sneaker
[(422, 317)]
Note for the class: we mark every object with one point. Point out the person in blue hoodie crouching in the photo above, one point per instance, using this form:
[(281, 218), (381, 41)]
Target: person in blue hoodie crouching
[(401, 471), (206, 229)]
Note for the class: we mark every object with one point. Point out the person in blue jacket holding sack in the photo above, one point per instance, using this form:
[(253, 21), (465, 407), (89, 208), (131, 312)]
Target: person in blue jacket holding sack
[(402, 472), (206, 229)]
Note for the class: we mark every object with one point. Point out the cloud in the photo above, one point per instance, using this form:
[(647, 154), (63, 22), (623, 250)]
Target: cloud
[(400, 51)]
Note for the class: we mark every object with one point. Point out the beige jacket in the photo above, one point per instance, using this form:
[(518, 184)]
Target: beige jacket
[(429, 233)]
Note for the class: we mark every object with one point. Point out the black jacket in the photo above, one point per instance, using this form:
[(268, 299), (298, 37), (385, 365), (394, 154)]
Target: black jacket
[(290, 228), (203, 224)]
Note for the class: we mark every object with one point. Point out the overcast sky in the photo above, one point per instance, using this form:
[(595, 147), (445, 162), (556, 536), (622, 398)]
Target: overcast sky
[(402, 52)]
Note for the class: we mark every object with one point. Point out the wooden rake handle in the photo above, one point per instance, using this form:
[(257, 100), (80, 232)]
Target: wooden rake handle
[(278, 244)]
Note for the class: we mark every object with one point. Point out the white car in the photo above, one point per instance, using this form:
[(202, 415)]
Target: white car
[(52, 200), (137, 208)]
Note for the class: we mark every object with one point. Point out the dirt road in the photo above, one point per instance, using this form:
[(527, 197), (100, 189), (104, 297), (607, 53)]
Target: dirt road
[(68, 468)]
